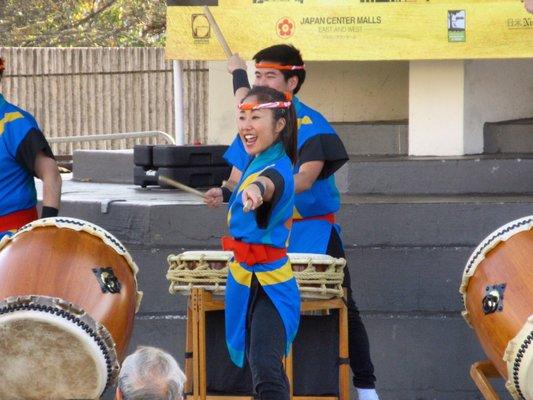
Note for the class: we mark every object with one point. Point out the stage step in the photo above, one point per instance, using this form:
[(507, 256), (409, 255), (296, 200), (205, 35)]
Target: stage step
[(481, 174), (514, 136), (161, 217), (106, 166)]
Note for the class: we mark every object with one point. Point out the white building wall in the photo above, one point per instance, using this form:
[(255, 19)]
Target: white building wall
[(342, 91)]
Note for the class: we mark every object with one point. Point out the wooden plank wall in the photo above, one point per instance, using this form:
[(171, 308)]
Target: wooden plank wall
[(85, 91)]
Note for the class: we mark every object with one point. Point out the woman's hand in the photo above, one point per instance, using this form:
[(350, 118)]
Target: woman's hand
[(213, 197), (236, 62), (251, 198)]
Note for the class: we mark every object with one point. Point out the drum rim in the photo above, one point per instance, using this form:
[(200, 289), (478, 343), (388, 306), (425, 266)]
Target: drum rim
[(503, 233), (197, 255), (221, 255), (519, 351), (90, 228), (316, 259), (73, 314)]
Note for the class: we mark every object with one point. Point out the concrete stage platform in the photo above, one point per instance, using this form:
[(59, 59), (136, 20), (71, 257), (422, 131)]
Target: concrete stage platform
[(406, 255)]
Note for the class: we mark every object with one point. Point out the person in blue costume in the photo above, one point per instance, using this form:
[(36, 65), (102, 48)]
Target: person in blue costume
[(320, 154), (24, 154), (262, 298)]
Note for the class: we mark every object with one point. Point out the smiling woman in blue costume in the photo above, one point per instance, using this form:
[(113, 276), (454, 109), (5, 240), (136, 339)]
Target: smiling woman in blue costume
[(262, 297), (320, 154), (24, 154)]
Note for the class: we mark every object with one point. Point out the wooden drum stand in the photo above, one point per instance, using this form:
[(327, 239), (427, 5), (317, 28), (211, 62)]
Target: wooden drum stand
[(481, 372), (201, 301)]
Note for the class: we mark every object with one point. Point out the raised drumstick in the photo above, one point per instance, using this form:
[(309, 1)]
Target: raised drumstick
[(218, 32), (181, 186)]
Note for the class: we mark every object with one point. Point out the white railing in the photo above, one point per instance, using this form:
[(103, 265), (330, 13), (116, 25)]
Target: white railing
[(113, 136)]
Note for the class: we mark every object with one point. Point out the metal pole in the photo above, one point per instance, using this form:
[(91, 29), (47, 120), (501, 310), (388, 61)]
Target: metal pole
[(178, 102)]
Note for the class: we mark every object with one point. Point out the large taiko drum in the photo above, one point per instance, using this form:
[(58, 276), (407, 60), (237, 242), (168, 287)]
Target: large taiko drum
[(319, 276), (68, 296), (497, 290)]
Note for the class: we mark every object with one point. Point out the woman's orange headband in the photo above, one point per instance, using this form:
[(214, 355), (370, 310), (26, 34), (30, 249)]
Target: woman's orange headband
[(261, 106)]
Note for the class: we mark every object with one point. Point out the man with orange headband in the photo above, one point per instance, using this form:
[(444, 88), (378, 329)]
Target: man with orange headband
[(320, 154), (24, 153)]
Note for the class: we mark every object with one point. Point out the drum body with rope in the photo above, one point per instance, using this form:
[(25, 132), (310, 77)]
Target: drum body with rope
[(68, 296), (319, 276), (497, 291)]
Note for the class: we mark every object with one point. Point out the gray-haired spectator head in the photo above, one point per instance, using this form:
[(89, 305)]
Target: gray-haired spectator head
[(150, 374)]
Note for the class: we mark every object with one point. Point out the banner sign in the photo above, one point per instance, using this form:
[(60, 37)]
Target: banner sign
[(353, 29)]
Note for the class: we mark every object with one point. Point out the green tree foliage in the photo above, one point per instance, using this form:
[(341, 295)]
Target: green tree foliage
[(82, 23)]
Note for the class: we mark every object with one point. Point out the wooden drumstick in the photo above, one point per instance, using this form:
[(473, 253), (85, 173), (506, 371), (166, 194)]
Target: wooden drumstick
[(181, 186), (218, 32), (247, 206)]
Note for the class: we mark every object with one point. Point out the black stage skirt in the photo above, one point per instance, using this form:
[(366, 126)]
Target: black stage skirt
[(315, 358)]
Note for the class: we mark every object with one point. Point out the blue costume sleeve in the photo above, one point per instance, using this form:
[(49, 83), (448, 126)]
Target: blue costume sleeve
[(327, 148), (236, 156), (17, 191), (21, 124), (33, 144)]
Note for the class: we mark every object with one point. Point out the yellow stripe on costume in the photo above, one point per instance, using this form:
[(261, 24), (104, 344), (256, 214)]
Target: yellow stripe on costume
[(279, 275), (304, 121), (248, 181), (241, 187), (296, 214), (251, 178), (228, 217), (240, 274), (9, 117)]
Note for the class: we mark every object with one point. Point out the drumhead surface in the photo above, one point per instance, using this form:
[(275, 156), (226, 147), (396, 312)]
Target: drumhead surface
[(44, 356)]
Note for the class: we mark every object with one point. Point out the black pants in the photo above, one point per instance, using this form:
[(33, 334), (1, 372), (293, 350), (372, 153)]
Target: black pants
[(265, 346), (358, 347)]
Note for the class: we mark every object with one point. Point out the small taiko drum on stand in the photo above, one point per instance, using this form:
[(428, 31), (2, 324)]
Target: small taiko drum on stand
[(68, 296), (205, 269), (497, 291), (319, 276)]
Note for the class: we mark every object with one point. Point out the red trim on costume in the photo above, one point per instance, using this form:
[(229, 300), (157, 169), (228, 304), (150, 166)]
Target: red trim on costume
[(279, 66), (252, 253), (326, 217), (17, 219)]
